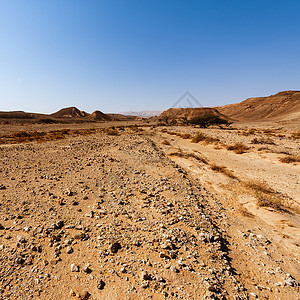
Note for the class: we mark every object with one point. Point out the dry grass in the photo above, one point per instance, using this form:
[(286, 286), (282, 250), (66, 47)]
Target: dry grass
[(201, 137), (260, 186), (290, 159), (263, 141), (265, 200), (265, 195), (189, 155), (41, 136), (238, 148), (222, 169), (296, 135), (166, 142), (112, 131), (182, 135)]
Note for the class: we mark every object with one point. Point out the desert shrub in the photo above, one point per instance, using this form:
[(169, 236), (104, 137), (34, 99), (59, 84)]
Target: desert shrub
[(265, 200), (20, 134), (189, 155), (290, 159), (185, 135), (198, 137), (238, 148), (47, 121), (111, 131), (260, 186), (263, 141), (222, 169), (265, 195), (165, 142), (296, 135), (207, 120)]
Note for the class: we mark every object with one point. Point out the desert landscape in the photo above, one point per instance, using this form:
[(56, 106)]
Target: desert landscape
[(108, 206)]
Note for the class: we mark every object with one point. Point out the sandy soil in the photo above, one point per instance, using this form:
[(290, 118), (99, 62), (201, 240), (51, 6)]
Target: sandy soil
[(118, 217)]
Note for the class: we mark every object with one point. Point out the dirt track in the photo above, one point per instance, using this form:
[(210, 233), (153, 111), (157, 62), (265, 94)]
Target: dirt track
[(113, 217)]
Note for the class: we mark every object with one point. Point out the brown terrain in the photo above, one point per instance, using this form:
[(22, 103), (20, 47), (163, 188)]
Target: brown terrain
[(134, 209), (182, 114)]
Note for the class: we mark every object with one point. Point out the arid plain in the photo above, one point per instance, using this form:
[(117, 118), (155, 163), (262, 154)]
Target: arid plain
[(116, 208)]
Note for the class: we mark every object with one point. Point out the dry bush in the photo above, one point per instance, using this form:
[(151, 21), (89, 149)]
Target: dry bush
[(265, 195), (252, 131), (25, 137), (111, 131), (222, 169), (165, 142), (296, 135), (266, 200), (238, 148), (263, 141), (260, 186), (185, 136), (290, 159), (189, 155), (198, 137)]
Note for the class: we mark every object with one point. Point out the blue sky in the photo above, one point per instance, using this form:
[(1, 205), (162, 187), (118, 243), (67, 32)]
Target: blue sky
[(121, 55)]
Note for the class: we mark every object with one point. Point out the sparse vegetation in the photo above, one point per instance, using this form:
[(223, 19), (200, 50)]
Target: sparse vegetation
[(263, 141), (290, 159), (47, 121), (208, 120), (166, 142), (222, 169), (41, 136), (238, 148), (200, 136), (296, 135), (112, 131), (265, 195), (189, 155)]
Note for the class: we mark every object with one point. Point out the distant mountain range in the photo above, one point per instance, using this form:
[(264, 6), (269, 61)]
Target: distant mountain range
[(143, 114), (65, 115), (279, 107)]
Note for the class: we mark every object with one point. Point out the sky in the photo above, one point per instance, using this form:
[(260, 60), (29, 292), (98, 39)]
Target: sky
[(132, 55)]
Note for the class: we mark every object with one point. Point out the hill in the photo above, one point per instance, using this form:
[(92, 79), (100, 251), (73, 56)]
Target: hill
[(98, 115), (70, 112), (282, 106), (180, 114)]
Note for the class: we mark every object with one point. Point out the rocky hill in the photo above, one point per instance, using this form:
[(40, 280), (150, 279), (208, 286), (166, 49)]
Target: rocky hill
[(178, 114), (99, 116), (70, 112), (279, 107)]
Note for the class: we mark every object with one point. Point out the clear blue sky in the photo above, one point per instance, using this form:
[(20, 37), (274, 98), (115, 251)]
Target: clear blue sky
[(120, 55)]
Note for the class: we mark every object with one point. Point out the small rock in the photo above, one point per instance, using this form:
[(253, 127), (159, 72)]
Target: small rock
[(145, 284), (101, 285), (69, 250), (115, 247), (74, 268), (145, 276), (174, 269), (86, 268)]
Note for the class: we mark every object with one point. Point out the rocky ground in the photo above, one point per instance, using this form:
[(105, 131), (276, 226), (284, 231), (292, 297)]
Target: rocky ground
[(116, 217)]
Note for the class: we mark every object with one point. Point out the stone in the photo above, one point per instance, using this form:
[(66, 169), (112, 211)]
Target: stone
[(115, 247), (101, 285), (145, 276), (86, 268), (74, 268), (69, 250), (174, 269)]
